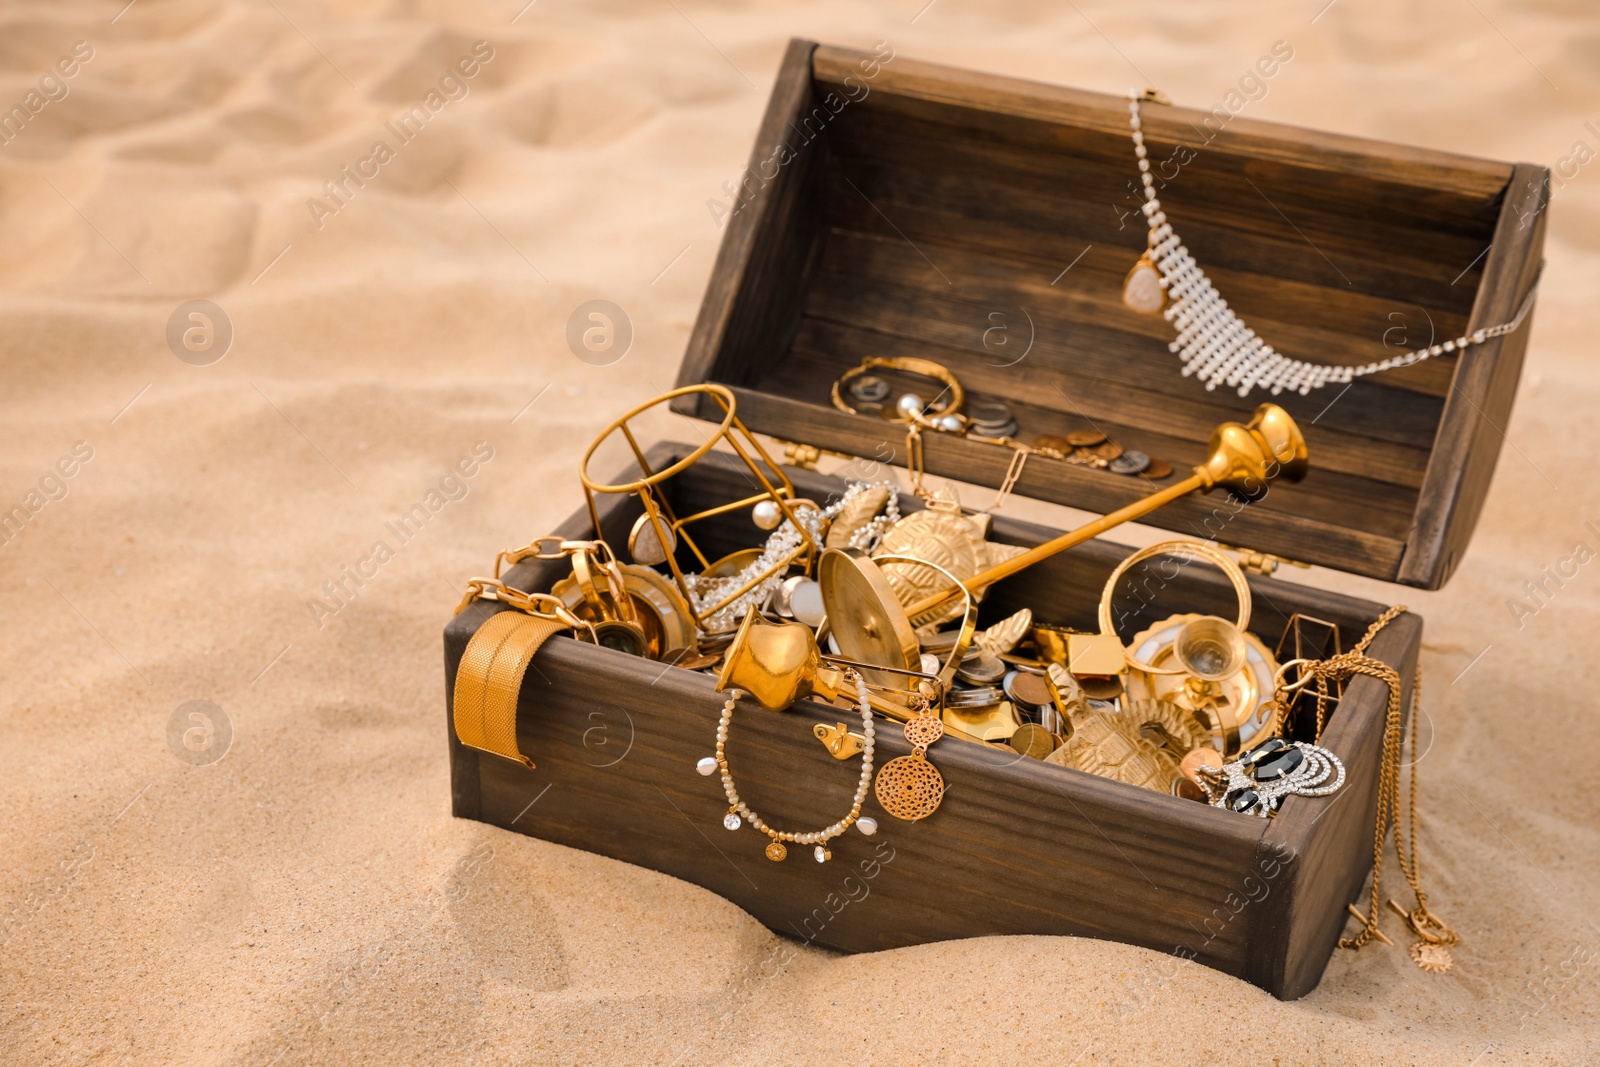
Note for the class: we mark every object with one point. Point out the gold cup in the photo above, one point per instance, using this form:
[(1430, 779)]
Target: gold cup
[(775, 662), (1210, 648)]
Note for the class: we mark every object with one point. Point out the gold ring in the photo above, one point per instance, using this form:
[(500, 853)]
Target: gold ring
[(927, 368), (1228, 567)]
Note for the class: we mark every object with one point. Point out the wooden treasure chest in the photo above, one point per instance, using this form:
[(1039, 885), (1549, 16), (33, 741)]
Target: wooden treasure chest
[(900, 211)]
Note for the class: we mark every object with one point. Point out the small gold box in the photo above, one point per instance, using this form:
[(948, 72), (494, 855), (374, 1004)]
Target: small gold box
[(1095, 655)]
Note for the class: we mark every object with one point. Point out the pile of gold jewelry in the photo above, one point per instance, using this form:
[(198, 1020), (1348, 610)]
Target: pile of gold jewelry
[(1193, 705)]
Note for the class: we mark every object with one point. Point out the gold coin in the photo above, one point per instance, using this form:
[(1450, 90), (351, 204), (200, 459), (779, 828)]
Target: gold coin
[(1058, 444), (1031, 690), (1197, 758), (909, 788), (776, 851), (1033, 741), (1107, 450), (1101, 688), (1085, 438), (1158, 469)]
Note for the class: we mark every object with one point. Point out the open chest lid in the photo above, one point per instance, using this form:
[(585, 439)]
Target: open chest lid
[(896, 208)]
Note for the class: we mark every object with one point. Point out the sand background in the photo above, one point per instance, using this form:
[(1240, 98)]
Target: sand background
[(309, 897)]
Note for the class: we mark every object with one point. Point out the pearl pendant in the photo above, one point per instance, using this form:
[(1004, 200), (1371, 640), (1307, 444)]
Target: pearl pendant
[(867, 825), (1142, 291), (707, 766)]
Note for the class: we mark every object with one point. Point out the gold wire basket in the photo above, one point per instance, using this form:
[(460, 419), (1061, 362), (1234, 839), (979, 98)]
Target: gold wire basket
[(660, 531)]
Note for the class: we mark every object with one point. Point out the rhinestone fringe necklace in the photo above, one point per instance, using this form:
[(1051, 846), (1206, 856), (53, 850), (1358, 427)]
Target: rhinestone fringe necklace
[(1215, 344)]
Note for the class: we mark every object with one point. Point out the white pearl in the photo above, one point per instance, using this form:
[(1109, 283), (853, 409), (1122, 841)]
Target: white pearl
[(867, 825), (950, 423), (707, 766), (766, 514), (910, 405)]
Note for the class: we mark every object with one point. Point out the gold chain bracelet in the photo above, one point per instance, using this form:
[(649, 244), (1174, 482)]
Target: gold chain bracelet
[(496, 660)]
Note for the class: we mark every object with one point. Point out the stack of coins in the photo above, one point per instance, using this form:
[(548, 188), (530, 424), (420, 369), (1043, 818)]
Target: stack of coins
[(990, 418), (985, 696)]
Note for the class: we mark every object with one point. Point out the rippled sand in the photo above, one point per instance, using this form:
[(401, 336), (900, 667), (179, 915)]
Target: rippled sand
[(309, 898)]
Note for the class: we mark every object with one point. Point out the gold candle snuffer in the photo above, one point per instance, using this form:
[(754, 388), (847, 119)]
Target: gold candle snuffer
[(657, 533), (1244, 458)]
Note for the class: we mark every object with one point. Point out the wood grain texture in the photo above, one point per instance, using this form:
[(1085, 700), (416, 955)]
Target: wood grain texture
[(943, 90), (751, 307), (1017, 846), (1478, 410), (943, 209), (1321, 837), (1286, 531)]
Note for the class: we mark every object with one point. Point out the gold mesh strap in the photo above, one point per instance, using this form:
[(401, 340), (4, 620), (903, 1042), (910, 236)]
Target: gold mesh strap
[(490, 677)]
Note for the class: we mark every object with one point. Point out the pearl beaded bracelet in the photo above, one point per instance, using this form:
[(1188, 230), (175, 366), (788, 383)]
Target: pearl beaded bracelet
[(1214, 343), (738, 810)]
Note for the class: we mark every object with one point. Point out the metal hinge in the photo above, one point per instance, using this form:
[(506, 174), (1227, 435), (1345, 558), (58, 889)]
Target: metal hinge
[(1263, 563), (804, 456)]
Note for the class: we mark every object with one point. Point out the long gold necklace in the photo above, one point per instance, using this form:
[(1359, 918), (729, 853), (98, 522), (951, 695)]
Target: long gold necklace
[(1430, 951)]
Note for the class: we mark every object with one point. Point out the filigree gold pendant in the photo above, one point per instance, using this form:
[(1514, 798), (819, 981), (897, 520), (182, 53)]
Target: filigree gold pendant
[(910, 788), (776, 851)]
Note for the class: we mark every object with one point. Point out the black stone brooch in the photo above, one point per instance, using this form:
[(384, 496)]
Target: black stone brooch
[(1257, 782)]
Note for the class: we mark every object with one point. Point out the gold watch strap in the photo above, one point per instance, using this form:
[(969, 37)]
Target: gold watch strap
[(490, 677)]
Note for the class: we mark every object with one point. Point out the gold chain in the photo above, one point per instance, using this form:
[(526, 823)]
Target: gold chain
[(1423, 922), (1019, 459)]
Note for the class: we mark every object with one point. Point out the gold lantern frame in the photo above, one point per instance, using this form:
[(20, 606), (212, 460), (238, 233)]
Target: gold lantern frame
[(669, 528)]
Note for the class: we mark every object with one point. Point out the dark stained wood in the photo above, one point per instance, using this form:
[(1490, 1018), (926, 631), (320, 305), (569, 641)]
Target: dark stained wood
[(1071, 367), (1478, 409), (942, 199), (968, 258), (1017, 846), (1227, 214), (752, 306), (1443, 176), (1310, 910), (1074, 385), (1285, 530)]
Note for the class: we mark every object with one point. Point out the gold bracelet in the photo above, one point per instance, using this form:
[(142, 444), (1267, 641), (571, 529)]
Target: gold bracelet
[(1229, 568), (927, 368), (489, 677), (739, 811)]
